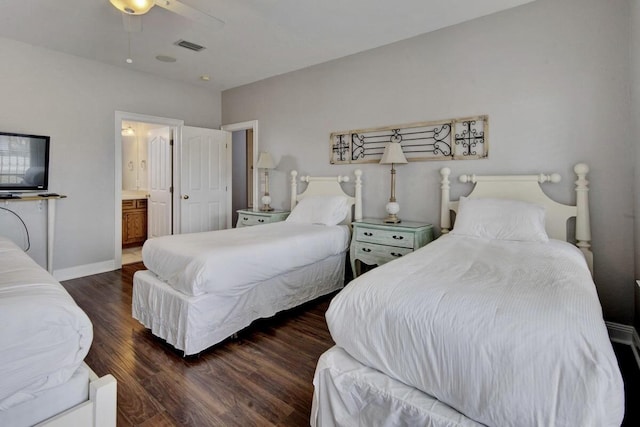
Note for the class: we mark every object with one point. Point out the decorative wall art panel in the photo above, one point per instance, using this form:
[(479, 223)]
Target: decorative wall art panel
[(454, 139)]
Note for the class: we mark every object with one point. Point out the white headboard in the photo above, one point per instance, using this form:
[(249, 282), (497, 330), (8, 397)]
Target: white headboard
[(527, 188), (329, 186)]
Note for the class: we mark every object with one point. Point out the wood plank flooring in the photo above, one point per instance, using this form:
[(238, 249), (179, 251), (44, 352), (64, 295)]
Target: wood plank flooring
[(263, 378)]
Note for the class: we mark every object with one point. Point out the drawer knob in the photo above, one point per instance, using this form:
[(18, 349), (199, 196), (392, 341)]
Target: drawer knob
[(366, 233), (398, 237), (366, 250), (261, 220), (245, 218), (396, 254)]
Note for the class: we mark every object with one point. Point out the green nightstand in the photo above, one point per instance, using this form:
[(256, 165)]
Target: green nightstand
[(375, 242), (248, 217)]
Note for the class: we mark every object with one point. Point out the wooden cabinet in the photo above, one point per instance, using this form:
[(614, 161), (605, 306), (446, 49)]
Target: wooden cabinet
[(375, 242), (247, 217), (134, 222)]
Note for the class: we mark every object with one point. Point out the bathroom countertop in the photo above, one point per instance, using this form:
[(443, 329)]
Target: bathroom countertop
[(133, 195)]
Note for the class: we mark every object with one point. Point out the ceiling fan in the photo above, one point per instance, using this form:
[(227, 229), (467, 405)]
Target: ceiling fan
[(140, 7)]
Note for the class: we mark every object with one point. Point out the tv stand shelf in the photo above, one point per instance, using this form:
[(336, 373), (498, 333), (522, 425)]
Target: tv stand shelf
[(31, 198), (51, 218)]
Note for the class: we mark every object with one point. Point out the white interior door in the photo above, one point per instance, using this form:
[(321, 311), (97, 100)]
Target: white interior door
[(160, 183), (203, 179)]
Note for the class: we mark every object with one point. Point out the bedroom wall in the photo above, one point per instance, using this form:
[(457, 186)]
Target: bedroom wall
[(635, 97), (74, 101), (552, 75)]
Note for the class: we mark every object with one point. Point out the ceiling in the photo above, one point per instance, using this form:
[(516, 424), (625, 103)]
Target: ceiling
[(260, 38)]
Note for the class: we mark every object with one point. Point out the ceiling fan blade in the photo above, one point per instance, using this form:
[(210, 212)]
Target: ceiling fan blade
[(190, 13), (132, 23)]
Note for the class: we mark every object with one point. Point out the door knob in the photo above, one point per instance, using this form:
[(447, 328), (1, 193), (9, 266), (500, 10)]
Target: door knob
[(186, 196)]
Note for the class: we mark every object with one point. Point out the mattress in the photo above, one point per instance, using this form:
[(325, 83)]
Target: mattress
[(44, 334), (49, 402), (507, 333), (348, 393), (229, 262), (194, 323)]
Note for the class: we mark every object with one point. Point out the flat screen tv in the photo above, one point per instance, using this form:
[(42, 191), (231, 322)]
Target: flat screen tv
[(24, 162)]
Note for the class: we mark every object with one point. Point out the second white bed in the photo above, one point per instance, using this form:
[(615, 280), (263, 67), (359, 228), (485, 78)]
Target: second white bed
[(203, 287), (463, 320)]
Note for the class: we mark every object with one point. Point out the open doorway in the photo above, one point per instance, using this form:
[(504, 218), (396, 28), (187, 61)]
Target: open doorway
[(190, 205), (147, 183), (243, 175), (242, 161), (144, 175)]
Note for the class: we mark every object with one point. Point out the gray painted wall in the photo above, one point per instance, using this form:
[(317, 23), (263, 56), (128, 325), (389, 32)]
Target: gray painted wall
[(74, 100), (635, 96), (553, 76)]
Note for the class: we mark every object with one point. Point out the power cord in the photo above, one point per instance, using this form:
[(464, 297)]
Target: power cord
[(26, 230)]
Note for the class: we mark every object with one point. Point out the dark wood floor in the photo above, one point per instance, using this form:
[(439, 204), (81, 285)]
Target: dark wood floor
[(263, 378)]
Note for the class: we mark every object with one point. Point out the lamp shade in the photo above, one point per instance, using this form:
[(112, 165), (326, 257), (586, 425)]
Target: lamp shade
[(393, 154), (265, 161), (133, 7)]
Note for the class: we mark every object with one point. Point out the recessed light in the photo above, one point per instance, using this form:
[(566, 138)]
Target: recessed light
[(165, 58)]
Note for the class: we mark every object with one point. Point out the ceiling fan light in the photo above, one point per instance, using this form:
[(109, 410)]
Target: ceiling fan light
[(133, 7)]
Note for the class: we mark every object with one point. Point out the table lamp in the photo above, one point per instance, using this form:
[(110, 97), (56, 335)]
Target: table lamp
[(265, 162), (393, 155)]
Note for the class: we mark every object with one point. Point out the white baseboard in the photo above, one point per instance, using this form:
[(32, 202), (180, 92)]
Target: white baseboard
[(625, 334), (84, 270)]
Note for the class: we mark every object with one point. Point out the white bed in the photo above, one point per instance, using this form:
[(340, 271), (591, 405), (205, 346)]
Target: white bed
[(201, 288), (496, 324), (45, 337)]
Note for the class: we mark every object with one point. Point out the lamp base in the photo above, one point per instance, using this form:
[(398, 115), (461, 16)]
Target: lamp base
[(392, 219), (392, 209), (266, 200)]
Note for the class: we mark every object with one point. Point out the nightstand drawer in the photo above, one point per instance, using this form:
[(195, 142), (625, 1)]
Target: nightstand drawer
[(403, 239), (376, 242), (380, 253), (247, 220)]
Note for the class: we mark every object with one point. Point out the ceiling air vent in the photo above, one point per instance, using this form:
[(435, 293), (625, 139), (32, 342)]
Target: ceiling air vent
[(188, 45)]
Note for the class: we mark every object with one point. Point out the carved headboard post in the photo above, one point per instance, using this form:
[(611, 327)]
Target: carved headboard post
[(445, 215), (294, 189), (357, 215), (583, 225)]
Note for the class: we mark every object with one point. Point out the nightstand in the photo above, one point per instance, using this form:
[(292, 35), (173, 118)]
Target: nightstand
[(248, 217), (375, 242)]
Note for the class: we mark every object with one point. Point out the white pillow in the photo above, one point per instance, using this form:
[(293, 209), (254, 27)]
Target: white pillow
[(500, 219), (326, 210)]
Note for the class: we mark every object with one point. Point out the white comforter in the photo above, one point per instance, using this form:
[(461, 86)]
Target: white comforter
[(508, 333), (44, 335), (230, 262)]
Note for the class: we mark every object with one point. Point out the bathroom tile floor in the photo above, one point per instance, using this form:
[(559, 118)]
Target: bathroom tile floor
[(131, 255)]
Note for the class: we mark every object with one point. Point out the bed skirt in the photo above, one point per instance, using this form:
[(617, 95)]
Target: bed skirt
[(192, 324), (347, 393)]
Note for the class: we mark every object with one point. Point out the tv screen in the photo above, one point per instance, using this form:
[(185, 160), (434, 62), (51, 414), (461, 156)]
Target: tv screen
[(24, 162)]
